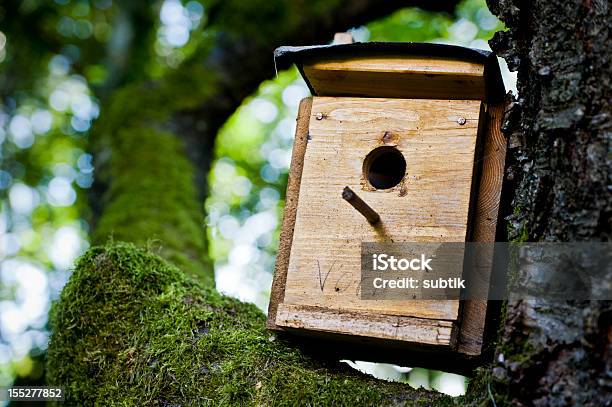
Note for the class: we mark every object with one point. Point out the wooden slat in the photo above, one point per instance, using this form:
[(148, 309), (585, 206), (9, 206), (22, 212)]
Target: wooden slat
[(291, 200), (398, 77), (370, 325), (493, 157), (406, 65)]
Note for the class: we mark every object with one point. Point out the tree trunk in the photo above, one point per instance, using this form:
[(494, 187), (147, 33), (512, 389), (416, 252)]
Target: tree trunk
[(558, 353)]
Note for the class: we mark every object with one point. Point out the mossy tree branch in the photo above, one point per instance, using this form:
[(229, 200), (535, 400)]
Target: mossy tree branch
[(130, 329)]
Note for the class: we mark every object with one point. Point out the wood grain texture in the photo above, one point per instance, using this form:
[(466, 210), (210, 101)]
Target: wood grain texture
[(370, 325), (492, 175), (467, 340), (291, 200), (429, 205), (474, 311), (398, 77)]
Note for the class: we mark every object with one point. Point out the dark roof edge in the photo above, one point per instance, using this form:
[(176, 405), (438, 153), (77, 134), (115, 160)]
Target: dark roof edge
[(285, 56)]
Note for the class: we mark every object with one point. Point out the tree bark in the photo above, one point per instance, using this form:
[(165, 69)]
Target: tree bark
[(557, 353)]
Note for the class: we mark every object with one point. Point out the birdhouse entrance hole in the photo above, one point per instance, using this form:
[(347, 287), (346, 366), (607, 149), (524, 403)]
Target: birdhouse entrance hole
[(384, 167)]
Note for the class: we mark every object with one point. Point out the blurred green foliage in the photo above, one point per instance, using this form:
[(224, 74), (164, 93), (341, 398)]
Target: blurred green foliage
[(58, 60)]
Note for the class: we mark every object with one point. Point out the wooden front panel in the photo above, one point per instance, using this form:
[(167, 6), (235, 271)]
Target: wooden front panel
[(429, 205)]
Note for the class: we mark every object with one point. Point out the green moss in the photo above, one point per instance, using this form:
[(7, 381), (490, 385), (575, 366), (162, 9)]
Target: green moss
[(150, 196), (485, 385), (482, 386), (522, 235), (130, 329)]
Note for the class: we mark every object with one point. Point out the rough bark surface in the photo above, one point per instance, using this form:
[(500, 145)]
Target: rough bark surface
[(560, 171)]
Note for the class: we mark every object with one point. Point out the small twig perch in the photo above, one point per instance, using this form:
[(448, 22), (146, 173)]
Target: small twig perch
[(351, 197)]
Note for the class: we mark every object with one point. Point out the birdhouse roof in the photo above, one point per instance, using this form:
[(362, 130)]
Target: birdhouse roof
[(396, 69)]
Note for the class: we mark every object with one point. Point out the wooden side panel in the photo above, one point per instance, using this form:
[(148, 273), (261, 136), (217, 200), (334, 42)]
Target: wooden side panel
[(429, 205), (291, 200), (493, 158), (405, 77)]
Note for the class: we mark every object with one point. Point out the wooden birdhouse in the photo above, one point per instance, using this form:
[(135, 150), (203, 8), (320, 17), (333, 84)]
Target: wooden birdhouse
[(407, 135)]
